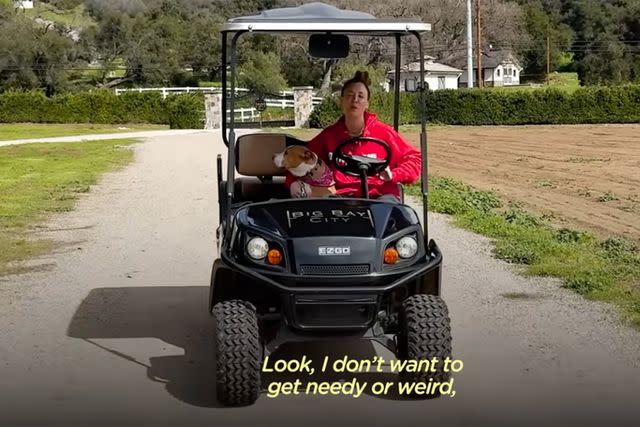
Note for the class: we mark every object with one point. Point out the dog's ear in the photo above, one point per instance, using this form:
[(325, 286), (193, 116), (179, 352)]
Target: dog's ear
[(308, 154)]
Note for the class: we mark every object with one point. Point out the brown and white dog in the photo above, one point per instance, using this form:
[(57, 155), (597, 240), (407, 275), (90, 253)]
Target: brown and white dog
[(315, 178)]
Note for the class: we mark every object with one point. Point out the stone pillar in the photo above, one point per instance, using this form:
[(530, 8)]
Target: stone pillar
[(302, 105), (213, 110)]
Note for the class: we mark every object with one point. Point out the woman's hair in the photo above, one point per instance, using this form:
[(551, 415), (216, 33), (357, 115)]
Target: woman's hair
[(359, 77)]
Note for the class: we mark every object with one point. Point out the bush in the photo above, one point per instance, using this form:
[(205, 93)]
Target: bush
[(619, 104), (325, 113), (186, 111), (103, 107)]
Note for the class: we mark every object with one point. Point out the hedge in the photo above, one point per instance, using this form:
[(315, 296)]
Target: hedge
[(620, 104), (103, 107)]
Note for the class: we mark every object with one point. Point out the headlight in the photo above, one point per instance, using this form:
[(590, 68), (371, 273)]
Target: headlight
[(407, 247), (257, 248)]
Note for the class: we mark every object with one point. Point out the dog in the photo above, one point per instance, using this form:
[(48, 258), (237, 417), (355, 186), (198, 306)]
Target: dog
[(315, 177)]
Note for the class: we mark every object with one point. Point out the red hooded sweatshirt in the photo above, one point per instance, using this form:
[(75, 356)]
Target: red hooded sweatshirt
[(405, 159)]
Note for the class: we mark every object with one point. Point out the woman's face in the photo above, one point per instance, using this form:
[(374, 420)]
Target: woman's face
[(355, 100)]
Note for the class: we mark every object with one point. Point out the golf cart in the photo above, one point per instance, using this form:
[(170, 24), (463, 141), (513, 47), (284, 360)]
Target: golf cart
[(316, 268)]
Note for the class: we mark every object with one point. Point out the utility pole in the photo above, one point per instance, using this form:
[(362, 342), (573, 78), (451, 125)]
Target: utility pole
[(548, 59), (478, 45), (469, 46)]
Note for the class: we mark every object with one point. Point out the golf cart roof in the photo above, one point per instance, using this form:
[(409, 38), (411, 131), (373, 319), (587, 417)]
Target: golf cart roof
[(323, 18)]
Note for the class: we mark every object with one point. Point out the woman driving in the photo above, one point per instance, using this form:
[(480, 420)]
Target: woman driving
[(356, 121)]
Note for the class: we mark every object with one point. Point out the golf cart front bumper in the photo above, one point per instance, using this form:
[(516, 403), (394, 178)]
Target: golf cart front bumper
[(321, 302)]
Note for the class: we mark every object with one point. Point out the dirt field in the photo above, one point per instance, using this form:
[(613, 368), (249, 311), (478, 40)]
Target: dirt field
[(587, 177)]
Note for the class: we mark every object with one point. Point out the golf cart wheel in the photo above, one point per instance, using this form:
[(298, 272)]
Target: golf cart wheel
[(425, 332), (238, 352)]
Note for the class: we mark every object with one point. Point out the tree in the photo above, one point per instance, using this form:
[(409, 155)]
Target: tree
[(603, 52), (502, 21), (201, 48), (261, 72), (298, 67), (111, 41), (542, 20), (34, 55), (347, 69)]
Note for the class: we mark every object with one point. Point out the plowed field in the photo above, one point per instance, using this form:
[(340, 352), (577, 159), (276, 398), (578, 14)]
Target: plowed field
[(586, 176)]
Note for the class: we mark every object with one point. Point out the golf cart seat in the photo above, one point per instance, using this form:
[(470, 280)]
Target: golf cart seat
[(261, 179)]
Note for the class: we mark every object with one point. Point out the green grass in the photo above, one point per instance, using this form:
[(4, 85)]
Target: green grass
[(606, 270), (277, 113), (76, 17), (39, 179), (568, 81), (12, 131), (565, 81)]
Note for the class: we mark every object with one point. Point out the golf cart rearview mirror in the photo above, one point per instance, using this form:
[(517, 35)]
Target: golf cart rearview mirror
[(328, 45)]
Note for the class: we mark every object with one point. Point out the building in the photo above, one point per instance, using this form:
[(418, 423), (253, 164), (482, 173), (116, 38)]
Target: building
[(499, 68), (23, 4), (437, 76)]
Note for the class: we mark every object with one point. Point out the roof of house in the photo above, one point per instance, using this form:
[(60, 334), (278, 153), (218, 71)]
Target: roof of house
[(497, 57), (491, 59), (429, 66)]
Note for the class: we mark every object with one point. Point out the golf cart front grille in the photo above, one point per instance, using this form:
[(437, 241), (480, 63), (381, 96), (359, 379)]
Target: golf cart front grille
[(333, 269)]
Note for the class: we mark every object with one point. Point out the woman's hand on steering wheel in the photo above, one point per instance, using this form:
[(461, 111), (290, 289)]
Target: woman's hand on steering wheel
[(386, 175)]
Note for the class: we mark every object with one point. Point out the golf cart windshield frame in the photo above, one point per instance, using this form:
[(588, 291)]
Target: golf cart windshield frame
[(235, 28)]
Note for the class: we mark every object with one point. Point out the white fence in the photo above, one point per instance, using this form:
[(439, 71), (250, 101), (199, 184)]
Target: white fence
[(285, 99), (246, 114)]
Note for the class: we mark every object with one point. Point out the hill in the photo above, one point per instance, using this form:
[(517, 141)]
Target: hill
[(67, 13)]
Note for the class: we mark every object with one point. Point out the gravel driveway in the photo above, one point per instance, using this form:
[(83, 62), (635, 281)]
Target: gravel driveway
[(113, 329)]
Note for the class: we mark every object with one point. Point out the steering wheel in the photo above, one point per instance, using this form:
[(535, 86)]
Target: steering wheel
[(355, 165)]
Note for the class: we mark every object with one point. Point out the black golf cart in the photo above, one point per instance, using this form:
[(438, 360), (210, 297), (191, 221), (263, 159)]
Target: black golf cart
[(308, 269)]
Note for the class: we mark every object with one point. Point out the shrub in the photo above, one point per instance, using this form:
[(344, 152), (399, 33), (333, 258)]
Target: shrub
[(185, 111), (103, 107), (324, 113), (503, 107)]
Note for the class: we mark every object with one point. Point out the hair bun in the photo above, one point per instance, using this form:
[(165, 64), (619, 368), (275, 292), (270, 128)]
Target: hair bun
[(362, 76)]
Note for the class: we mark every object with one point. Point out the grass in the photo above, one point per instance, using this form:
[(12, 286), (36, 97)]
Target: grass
[(608, 197), (277, 113), (606, 270), (13, 131), (39, 179), (567, 81), (76, 17)]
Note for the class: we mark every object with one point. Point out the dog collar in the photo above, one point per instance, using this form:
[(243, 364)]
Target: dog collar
[(315, 168), (326, 180)]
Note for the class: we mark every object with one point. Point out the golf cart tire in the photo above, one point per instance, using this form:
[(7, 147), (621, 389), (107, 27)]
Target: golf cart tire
[(238, 353), (425, 332)]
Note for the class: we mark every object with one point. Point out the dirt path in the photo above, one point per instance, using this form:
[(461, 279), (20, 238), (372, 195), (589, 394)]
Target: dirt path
[(585, 176), (115, 330)]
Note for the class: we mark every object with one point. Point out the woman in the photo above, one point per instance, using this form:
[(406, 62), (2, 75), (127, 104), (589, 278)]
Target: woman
[(405, 164)]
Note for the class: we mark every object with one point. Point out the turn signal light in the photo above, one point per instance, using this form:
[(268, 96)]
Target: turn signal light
[(390, 256), (274, 257)]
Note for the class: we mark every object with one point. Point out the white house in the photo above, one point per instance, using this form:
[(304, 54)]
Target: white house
[(23, 4), (499, 68), (437, 76)]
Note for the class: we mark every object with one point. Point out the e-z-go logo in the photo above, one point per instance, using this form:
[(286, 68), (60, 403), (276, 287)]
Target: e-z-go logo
[(334, 250)]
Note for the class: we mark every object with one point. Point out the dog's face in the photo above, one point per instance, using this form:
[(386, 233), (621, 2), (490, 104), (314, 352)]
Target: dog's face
[(297, 159)]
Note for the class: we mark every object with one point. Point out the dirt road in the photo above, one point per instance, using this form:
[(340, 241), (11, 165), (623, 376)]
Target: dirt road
[(113, 329)]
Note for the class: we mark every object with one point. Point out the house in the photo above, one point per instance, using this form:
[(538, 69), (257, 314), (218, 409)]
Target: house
[(499, 68), (437, 76), (23, 4)]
